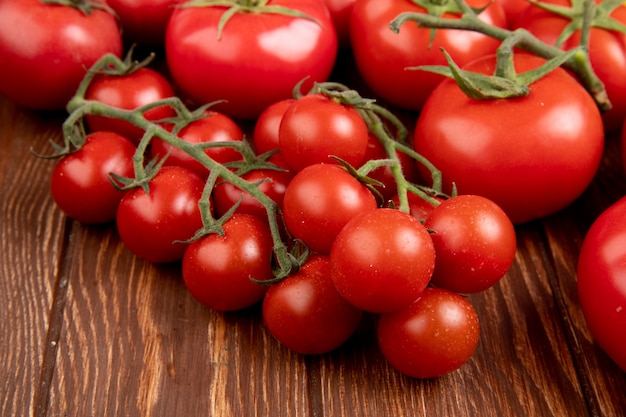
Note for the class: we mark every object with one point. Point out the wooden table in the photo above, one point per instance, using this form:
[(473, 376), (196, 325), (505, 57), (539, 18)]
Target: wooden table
[(90, 330)]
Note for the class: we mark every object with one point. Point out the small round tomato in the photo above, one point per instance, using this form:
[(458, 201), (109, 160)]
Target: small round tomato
[(305, 312), (382, 260), (144, 21), (266, 128), (320, 200), (81, 184), (217, 268), (156, 225), (315, 128), (432, 337), (475, 243), (602, 281), (129, 91)]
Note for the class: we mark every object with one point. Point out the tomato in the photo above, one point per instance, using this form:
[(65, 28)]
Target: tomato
[(320, 200), (475, 243), (418, 207), (383, 56), (623, 146), (265, 135), (155, 226), (340, 11), (144, 21), (432, 337), (602, 281), (80, 182), (217, 269), (256, 60), (45, 50), (315, 127), (513, 9), (382, 260), (128, 92), (305, 312), (532, 155), (215, 127), (607, 52)]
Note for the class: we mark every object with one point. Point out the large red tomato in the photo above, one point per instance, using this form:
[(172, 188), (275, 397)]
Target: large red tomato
[(256, 59), (45, 49), (532, 155)]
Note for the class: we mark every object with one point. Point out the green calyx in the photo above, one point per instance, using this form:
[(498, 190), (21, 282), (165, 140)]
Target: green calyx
[(84, 6)]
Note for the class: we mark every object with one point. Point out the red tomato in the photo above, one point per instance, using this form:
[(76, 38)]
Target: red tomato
[(382, 56), (382, 260), (315, 127), (80, 183), (217, 269), (432, 337), (532, 156), (306, 313), (475, 243), (602, 281), (258, 58), (513, 9), (128, 92), (266, 128), (155, 226), (320, 200), (45, 50), (418, 207), (340, 11), (607, 52), (144, 21), (215, 127)]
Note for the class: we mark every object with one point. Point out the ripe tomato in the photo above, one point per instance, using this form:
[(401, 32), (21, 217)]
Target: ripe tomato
[(602, 281), (382, 260), (475, 243), (266, 128), (320, 200), (155, 226), (215, 127), (432, 337), (256, 60), (128, 92), (418, 207), (217, 269), (532, 155), (306, 313), (382, 56), (315, 127), (45, 49), (143, 21), (80, 183)]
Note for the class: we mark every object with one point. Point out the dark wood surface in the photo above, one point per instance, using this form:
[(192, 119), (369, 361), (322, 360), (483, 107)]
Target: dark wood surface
[(90, 330)]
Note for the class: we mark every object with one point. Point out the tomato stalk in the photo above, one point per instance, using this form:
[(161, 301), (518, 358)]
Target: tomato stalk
[(84, 6)]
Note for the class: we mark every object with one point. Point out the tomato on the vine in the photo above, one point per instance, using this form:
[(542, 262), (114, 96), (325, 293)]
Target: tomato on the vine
[(45, 49), (531, 155), (265, 136), (257, 57)]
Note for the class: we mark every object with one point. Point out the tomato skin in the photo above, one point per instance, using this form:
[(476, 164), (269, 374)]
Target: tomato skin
[(80, 182), (144, 21), (601, 284), (432, 337), (217, 269), (475, 243), (266, 130), (382, 56), (382, 260), (258, 60), (418, 207), (155, 226), (129, 92), (532, 155), (305, 312), (59, 39), (320, 200)]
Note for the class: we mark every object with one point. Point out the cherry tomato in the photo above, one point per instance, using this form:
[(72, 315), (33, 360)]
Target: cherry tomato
[(512, 10), (266, 128), (320, 200), (432, 337), (129, 92), (475, 243), (144, 21), (382, 260), (602, 281), (532, 155), (217, 269), (155, 226), (315, 127), (45, 50), (383, 56), (80, 182), (257, 59), (305, 312)]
